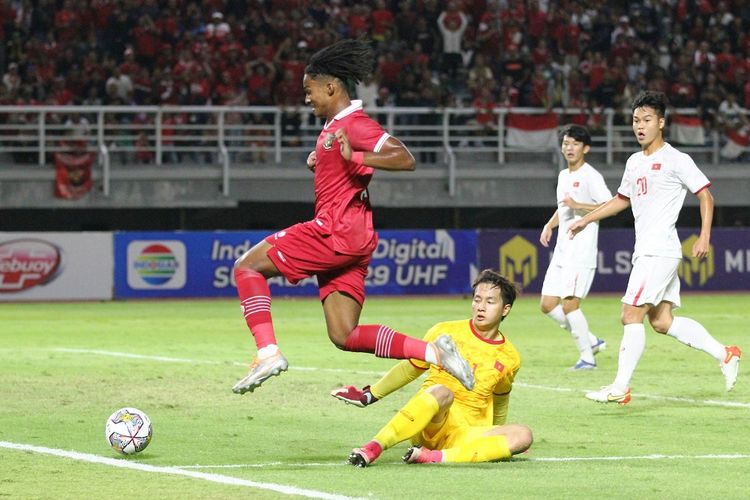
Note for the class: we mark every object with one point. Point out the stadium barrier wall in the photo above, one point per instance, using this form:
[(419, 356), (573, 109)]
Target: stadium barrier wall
[(102, 266), (199, 264), (518, 254), (56, 266)]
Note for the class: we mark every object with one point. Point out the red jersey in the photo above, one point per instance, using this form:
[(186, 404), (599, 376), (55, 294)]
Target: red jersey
[(342, 207)]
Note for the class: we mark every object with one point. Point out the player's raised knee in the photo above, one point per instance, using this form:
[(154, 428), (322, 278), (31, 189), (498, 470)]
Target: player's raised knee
[(520, 438), (443, 395)]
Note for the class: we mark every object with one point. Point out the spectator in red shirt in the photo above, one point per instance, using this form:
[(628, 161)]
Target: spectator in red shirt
[(537, 24), (146, 38), (389, 71), (485, 119), (288, 90), (382, 21), (260, 76), (66, 23), (682, 93)]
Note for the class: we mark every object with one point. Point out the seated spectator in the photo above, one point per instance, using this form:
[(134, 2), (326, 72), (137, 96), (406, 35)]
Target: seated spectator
[(480, 75), (217, 29), (12, 80), (731, 115)]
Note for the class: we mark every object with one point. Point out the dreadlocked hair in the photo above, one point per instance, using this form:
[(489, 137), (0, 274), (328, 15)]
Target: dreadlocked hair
[(348, 60)]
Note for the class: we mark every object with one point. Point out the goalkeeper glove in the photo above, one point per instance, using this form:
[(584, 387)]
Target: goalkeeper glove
[(353, 396)]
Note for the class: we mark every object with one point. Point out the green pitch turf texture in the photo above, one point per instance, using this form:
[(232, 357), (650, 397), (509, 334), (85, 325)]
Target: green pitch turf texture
[(65, 367)]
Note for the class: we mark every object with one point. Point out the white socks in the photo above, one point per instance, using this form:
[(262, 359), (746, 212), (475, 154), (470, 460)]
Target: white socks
[(267, 351), (693, 334), (579, 329), (558, 316), (631, 348), (430, 356)]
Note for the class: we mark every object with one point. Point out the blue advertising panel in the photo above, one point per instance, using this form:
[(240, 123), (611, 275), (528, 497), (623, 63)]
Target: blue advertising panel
[(199, 264), (519, 255)]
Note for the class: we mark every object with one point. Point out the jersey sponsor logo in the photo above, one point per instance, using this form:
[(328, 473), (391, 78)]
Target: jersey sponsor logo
[(328, 142), (156, 265), (26, 263), (656, 166), (576, 184), (693, 271), (519, 260)]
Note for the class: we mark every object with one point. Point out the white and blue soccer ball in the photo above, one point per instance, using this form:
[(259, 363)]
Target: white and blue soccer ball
[(128, 431)]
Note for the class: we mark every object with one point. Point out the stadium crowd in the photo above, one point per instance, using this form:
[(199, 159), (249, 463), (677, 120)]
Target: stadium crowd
[(588, 54)]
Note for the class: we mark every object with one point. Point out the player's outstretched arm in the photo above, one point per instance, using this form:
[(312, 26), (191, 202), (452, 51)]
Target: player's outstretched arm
[(612, 207), (576, 205), (401, 374)]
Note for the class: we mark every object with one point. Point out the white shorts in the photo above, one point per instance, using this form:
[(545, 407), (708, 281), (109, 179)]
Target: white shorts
[(568, 281), (653, 280)]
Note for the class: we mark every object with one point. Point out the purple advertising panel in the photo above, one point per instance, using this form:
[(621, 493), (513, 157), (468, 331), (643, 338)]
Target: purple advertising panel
[(519, 255)]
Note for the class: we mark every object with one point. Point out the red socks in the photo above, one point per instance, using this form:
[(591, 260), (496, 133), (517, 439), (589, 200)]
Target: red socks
[(385, 343), (255, 299)]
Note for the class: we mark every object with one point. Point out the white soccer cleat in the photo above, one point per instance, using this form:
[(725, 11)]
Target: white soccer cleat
[(599, 346), (261, 370), (610, 394), (582, 366), (730, 367), (451, 361)]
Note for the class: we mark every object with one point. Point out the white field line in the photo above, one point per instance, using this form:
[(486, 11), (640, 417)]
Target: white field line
[(707, 402), (521, 459), (734, 456), (215, 478)]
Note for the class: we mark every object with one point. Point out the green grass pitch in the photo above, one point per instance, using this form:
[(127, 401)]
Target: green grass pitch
[(64, 367)]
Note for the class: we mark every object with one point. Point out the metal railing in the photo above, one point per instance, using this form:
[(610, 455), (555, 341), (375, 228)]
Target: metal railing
[(230, 136)]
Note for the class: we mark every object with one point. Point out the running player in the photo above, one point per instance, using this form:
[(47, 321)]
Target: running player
[(580, 189), (446, 422), (654, 184), (337, 244)]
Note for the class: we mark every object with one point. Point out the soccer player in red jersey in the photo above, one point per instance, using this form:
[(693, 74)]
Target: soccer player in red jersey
[(337, 244)]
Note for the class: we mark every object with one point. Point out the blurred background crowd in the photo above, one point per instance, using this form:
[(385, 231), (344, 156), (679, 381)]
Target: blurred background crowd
[(589, 54)]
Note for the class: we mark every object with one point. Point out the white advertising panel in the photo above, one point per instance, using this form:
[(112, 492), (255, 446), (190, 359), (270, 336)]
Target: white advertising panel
[(56, 266)]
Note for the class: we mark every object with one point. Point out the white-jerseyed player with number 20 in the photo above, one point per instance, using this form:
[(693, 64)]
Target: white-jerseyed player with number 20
[(654, 184)]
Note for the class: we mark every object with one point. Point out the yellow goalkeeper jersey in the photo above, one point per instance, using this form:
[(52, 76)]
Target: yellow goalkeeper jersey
[(494, 363)]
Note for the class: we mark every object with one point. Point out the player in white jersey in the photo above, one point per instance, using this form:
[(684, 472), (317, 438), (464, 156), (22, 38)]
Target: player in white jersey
[(580, 189), (654, 185)]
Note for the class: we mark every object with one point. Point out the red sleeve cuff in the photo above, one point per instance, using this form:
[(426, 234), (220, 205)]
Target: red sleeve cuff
[(704, 187), (622, 196)]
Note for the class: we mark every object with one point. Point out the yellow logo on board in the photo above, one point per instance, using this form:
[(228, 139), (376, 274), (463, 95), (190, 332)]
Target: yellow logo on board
[(518, 260), (695, 272)]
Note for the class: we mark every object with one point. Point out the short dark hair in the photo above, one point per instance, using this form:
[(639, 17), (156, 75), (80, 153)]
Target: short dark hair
[(348, 60), (577, 132), (651, 99), (508, 289)]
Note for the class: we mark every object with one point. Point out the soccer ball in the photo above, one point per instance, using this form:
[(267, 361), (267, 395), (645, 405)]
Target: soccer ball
[(128, 431)]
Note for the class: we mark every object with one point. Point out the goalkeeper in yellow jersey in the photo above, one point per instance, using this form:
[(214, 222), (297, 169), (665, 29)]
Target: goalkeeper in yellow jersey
[(445, 421)]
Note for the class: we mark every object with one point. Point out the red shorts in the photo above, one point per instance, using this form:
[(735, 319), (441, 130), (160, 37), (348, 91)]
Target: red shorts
[(301, 251)]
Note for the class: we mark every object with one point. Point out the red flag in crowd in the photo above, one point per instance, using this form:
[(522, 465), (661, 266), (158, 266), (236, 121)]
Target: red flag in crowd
[(73, 175), (532, 131)]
